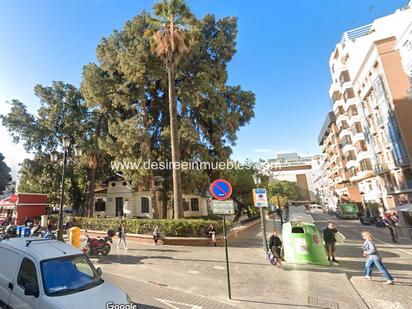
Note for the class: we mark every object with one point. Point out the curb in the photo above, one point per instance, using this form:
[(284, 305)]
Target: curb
[(181, 241), (354, 292)]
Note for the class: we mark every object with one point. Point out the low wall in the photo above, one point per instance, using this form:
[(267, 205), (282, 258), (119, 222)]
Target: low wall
[(179, 241)]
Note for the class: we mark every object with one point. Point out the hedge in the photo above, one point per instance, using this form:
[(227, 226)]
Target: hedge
[(168, 227)]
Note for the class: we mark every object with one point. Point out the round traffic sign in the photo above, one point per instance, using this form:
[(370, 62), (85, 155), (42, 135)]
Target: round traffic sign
[(221, 189)]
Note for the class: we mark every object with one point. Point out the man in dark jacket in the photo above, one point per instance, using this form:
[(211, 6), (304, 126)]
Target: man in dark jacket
[(275, 245), (330, 241)]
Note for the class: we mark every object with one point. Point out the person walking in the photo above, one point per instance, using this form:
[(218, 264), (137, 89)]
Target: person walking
[(275, 246), (122, 235), (156, 234), (212, 234), (330, 241), (373, 259), (391, 221)]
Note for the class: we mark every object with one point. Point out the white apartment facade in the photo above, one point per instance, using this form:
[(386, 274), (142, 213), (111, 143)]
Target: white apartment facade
[(373, 113)]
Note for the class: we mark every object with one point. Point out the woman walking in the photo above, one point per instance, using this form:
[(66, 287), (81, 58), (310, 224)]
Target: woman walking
[(122, 235), (373, 259), (212, 234), (156, 234)]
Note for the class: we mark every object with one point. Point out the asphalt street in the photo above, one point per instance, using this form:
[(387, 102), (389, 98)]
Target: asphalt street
[(195, 277)]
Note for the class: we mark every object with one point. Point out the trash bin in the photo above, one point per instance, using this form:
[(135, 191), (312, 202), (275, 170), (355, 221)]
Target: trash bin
[(19, 230), (74, 236), (25, 231), (303, 243)]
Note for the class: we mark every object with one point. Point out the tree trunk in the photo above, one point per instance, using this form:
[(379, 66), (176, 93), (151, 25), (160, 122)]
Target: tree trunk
[(92, 188), (177, 178), (148, 146)]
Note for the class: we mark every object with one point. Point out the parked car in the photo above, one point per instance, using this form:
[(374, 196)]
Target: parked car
[(316, 208), (347, 211), (368, 220), (49, 274)]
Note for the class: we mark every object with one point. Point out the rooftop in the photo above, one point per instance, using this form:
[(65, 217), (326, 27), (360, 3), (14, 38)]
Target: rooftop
[(39, 248)]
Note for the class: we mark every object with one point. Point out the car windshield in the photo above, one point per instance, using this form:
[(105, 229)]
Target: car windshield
[(69, 274)]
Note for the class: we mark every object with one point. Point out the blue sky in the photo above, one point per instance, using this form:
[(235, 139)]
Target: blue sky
[(283, 51)]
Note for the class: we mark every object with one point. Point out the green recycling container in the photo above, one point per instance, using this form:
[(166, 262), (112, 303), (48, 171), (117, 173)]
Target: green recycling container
[(303, 244), (348, 211)]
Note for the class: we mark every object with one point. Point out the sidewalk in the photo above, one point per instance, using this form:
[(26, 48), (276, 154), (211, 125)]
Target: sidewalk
[(200, 271), (396, 257)]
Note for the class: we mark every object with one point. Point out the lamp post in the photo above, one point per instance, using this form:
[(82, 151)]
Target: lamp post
[(54, 158), (257, 181)]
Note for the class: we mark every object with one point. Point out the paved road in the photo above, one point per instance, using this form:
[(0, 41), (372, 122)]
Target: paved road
[(397, 259), (195, 277)]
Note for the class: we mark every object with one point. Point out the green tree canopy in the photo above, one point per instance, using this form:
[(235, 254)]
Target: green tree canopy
[(5, 177)]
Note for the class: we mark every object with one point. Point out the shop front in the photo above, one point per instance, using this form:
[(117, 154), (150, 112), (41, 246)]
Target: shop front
[(21, 205)]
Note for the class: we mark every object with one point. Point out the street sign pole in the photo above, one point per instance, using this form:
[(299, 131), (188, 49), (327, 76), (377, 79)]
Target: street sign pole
[(263, 228), (227, 259), (221, 189)]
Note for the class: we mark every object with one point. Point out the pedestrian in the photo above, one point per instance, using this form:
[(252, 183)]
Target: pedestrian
[(156, 234), (212, 234), (26, 221), (373, 259), (279, 213), (122, 235), (391, 221), (275, 246), (8, 219), (330, 241)]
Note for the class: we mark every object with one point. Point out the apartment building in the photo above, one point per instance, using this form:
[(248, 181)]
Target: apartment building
[(334, 184), (294, 168), (372, 124)]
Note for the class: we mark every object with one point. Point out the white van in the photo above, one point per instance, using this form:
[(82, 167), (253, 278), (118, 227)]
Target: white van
[(49, 274)]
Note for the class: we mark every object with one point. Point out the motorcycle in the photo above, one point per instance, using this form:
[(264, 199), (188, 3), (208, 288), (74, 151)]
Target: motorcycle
[(9, 232), (94, 246)]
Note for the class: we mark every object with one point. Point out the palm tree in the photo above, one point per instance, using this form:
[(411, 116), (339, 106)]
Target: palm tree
[(170, 40)]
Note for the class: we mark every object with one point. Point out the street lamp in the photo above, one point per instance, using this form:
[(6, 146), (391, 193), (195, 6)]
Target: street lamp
[(257, 180), (54, 158)]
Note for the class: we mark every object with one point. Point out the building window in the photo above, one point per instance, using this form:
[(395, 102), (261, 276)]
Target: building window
[(145, 205), (194, 204), (185, 205), (100, 204), (113, 184)]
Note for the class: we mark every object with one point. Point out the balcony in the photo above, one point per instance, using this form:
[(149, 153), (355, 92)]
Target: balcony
[(358, 137), (362, 155), (348, 147), (352, 163), (343, 133), (333, 90), (353, 120), (341, 117), (349, 103), (337, 104)]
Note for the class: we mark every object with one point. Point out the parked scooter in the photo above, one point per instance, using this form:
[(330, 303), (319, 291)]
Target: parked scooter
[(9, 232), (96, 246)]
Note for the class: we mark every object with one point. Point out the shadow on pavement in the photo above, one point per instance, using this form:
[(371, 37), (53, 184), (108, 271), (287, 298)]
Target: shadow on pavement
[(127, 259)]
